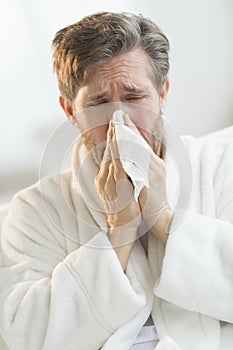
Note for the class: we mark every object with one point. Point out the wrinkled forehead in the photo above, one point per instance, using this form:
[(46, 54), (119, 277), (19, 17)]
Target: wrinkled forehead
[(130, 65)]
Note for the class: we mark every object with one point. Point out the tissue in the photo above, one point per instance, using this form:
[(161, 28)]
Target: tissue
[(134, 153)]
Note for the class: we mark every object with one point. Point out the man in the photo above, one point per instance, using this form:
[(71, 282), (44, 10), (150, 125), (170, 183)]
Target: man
[(75, 276)]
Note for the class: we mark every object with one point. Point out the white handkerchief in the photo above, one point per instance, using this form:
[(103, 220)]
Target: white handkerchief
[(134, 153)]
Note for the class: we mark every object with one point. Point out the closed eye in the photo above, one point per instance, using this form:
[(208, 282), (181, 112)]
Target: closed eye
[(101, 102), (133, 98), (97, 103)]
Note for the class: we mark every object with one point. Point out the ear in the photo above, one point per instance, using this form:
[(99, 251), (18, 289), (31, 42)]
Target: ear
[(66, 106), (163, 96), (165, 89)]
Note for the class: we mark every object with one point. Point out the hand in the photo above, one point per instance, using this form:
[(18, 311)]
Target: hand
[(153, 202), (116, 191)]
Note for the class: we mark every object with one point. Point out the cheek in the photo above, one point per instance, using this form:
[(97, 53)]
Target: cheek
[(100, 133), (144, 118), (95, 136)]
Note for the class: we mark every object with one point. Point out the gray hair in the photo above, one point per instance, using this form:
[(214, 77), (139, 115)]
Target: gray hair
[(97, 38)]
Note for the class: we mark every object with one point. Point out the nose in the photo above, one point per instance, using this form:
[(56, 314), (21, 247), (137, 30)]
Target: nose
[(115, 87)]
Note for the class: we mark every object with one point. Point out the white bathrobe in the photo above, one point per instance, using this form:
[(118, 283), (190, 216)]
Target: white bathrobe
[(58, 293)]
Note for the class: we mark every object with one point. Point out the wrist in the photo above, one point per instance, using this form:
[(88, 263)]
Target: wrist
[(162, 226), (122, 240), (122, 235)]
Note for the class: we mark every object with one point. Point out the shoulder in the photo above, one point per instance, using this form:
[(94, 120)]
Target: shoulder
[(45, 195), (36, 221), (205, 140), (211, 148), (213, 157), (38, 214)]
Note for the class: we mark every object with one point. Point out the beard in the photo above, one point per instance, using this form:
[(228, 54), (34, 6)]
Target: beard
[(97, 153), (96, 150)]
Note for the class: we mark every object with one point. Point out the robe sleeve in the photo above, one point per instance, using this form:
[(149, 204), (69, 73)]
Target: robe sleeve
[(197, 270), (50, 299)]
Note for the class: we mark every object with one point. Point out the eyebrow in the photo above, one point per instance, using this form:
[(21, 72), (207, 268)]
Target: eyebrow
[(98, 96), (133, 89), (104, 94)]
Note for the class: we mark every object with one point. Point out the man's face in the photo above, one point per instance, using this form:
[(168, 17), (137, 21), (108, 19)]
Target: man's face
[(126, 78)]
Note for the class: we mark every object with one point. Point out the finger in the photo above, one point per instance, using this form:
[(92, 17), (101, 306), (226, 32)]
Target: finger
[(110, 132), (107, 154), (117, 195), (157, 164), (119, 172), (113, 145), (115, 153), (110, 185), (101, 178), (143, 198)]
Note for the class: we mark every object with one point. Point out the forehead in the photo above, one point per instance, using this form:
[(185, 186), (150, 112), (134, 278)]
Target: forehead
[(132, 65)]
